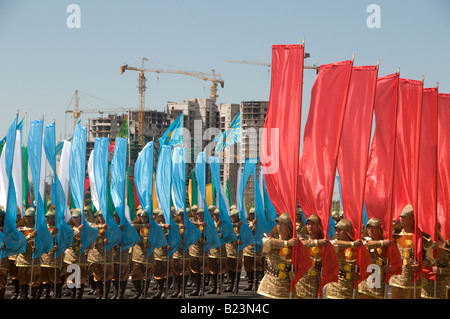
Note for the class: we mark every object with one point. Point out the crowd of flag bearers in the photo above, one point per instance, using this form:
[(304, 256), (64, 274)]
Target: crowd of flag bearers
[(393, 231)]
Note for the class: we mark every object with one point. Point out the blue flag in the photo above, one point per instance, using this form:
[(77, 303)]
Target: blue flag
[(226, 227), (230, 136), (64, 236), (44, 238), (143, 178), (163, 191), (130, 237), (210, 230), (174, 134), (245, 233), (77, 172), (262, 224), (15, 242), (191, 233), (101, 149), (270, 211)]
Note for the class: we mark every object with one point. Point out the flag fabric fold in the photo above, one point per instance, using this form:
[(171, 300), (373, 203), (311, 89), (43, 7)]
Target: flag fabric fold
[(64, 236), (406, 160), (443, 212), (230, 136), (14, 241), (174, 134), (100, 168), (353, 153), (379, 177), (245, 234), (77, 172), (191, 233), (317, 167), (43, 241), (130, 237), (262, 225), (143, 174), (226, 227), (427, 193), (164, 191), (210, 231)]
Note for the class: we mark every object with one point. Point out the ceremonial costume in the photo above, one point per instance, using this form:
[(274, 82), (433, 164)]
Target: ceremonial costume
[(51, 266), (197, 256), (100, 262), (141, 263), (179, 260), (347, 257), (276, 283), (28, 270), (378, 255), (73, 257), (161, 262), (234, 256), (121, 267), (253, 262), (437, 289), (402, 285), (308, 286), (216, 258)]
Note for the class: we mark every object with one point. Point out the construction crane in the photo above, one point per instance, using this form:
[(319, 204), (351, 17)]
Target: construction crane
[(77, 112), (314, 66), (213, 77)]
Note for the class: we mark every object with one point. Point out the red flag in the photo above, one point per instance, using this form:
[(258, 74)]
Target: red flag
[(406, 160), (379, 177), (317, 167), (353, 150), (284, 117), (427, 209), (443, 213)]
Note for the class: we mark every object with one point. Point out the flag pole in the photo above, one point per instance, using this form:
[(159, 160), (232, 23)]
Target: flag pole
[(40, 160)]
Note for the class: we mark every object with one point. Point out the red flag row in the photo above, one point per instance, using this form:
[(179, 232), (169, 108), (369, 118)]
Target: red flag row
[(405, 163)]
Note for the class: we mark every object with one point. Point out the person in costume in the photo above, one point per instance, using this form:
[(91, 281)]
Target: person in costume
[(196, 255), (234, 257), (278, 249), (51, 268), (121, 266), (216, 257), (179, 260), (402, 285), (101, 262), (312, 237), (141, 263), (346, 249), (377, 247), (253, 262), (28, 270), (440, 267), (73, 256), (161, 260)]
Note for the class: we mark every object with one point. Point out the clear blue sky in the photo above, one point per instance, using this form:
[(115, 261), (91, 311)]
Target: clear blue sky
[(44, 62)]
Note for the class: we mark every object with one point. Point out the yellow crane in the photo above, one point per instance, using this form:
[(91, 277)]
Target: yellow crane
[(213, 77), (77, 112)]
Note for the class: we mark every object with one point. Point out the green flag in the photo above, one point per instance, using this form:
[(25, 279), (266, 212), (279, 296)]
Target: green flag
[(123, 129), (25, 177), (130, 196), (228, 192), (194, 189)]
